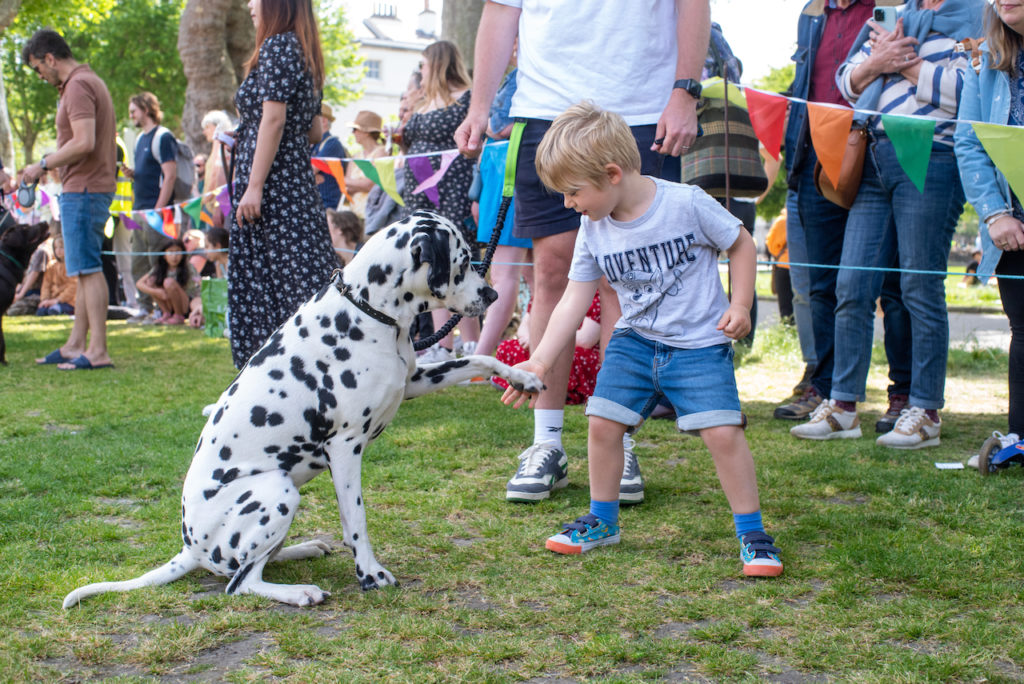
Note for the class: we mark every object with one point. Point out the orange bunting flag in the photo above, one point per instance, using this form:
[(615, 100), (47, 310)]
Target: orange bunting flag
[(170, 228), (336, 170), (830, 130), (768, 117)]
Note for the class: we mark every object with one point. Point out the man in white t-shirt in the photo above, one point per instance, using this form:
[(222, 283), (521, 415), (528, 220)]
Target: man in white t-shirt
[(639, 59)]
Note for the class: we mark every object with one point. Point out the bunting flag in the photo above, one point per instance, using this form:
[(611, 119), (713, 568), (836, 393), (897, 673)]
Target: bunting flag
[(386, 179), (154, 220), (1005, 146), (44, 199), (224, 201), (204, 217), (447, 157), (768, 117), (167, 224), (366, 166), (911, 139), (336, 169), (830, 130), (715, 88), (194, 209), (128, 222), (421, 171)]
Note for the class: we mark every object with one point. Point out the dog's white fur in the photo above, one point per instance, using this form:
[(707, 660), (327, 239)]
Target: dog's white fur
[(314, 396)]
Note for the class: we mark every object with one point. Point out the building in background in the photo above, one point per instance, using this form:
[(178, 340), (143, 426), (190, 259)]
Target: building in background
[(390, 38)]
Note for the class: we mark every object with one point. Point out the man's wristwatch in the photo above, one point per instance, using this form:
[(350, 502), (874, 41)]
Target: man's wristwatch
[(42, 164), (690, 86)]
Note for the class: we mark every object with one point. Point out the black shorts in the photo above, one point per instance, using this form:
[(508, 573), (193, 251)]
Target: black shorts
[(541, 212)]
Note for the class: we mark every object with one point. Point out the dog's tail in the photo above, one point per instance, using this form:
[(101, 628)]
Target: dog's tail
[(176, 568)]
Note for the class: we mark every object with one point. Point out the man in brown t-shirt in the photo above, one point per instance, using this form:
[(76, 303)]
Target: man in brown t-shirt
[(87, 158)]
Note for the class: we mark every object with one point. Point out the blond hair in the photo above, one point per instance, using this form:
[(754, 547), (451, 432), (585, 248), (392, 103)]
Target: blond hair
[(447, 74), (581, 143), (1004, 44)]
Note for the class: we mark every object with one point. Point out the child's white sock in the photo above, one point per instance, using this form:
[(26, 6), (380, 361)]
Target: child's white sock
[(547, 425)]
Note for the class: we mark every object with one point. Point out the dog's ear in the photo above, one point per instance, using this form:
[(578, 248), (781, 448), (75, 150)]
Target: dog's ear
[(431, 246)]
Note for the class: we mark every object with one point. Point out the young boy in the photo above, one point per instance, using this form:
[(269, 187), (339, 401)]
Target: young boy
[(657, 243)]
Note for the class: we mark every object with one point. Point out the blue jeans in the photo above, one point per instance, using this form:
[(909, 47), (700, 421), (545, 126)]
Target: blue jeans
[(890, 215), (800, 280)]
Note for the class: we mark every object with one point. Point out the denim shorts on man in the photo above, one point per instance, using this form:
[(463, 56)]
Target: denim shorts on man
[(82, 218), (541, 212), (699, 383)]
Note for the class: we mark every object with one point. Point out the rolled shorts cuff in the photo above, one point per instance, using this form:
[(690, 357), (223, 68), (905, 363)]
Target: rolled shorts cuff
[(605, 408), (696, 422)]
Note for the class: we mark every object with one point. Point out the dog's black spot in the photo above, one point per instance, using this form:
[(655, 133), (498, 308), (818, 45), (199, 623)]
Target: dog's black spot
[(417, 375), (232, 389), (322, 367), (342, 321), (342, 354), (366, 411), (303, 333), (329, 340), (264, 520), (238, 578), (423, 306), (299, 372), (359, 571), (355, 536), (225, 476), (250, 507), (380, 575), (355, 334), (276, 374), (282, 394), (225, 454), (272, 347), (359, 501), (215, 556), (258, 416), (358, 449), (402, 241), (327, 399), (348, 379), (282, 509), (298, 320), (275, 419), (289, 460), (392, 232), (327, 381), (235, 538), (245, 497), (210, 493), (272, 449), (325, 322), (366, 425), (232, 565), (408, 296), (217, 416), (364, 293), (378, 275)]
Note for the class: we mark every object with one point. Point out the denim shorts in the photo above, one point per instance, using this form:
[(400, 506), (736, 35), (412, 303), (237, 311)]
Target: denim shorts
[(540, 212), (82, 218), (637, 372)]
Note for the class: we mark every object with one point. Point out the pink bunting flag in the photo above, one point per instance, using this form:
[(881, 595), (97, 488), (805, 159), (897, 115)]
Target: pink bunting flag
[(768, 117), (44, 199), (128, 222), (447, 157), (422, 171)]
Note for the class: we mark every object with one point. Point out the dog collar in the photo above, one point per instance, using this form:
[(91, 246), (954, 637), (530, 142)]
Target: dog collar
[(359, 303), (16, 262)]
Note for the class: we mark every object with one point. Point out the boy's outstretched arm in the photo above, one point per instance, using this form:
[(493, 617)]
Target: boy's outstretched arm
[(560, 333), (735, 322)]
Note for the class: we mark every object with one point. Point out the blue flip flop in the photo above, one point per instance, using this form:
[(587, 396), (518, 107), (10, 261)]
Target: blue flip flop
[(83, 363), (54, 357)]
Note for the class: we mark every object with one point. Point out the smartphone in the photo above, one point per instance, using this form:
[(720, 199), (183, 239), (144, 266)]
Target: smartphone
[(885, 17), (227, 140)]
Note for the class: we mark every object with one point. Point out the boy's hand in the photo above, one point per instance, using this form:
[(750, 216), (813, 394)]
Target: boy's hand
[(735, 322), (519, 396)]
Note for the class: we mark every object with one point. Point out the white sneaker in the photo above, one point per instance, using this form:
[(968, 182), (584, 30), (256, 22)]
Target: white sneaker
[(467, 349), (914, 430), (828, 421), (1004, 441), (436, 354)]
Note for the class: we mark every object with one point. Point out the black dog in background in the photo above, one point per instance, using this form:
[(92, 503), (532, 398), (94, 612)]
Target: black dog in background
[(16, 247)]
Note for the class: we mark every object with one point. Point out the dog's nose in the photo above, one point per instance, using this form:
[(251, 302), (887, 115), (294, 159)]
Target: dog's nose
[(488, 294)]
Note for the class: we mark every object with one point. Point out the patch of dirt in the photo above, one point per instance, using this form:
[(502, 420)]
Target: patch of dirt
[(775, 669), (126, 523), (677, 630), (212, 586), (163, 620), (213, 665), (852, 501), (462, 543)]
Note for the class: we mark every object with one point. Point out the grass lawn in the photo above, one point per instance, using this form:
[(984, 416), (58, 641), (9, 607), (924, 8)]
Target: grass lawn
[(895, 571)]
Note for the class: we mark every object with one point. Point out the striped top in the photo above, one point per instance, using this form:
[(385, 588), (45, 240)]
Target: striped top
[(937, 93)]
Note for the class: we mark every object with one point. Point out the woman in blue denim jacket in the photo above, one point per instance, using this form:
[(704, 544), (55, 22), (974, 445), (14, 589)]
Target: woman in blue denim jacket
[(995, 94)]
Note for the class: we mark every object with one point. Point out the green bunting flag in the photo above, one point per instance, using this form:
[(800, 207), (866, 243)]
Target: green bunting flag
[(1005, 146), (714, 88), (912, 139), (366, 166), (193, 208)]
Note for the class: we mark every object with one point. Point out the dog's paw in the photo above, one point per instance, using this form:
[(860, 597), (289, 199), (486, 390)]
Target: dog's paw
[(303, 595), (376, 580), (523, 381)]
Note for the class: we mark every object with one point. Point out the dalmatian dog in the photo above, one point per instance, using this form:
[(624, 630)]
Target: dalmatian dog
[(312, 398)]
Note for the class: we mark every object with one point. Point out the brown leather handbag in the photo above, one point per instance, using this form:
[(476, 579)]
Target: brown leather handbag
[(845, 192)]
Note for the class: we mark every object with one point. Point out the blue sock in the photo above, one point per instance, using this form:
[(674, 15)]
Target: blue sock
[(608, 511), (745, 522)]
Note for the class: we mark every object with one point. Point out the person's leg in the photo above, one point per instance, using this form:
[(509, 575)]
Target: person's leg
[(746, 212), (139, 264), (123, 245), (734, 465), (177, 299), (784, 292), (1012, 294), (551, 258), (110, 270), (896, 323), (799, 277), (604, 458), (505, 272)]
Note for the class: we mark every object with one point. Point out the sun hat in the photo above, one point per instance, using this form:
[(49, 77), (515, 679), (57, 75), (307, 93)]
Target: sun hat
[(326, 111), (367, 122)]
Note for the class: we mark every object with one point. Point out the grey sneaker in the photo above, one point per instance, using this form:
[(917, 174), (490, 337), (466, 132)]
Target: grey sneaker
[(914, 430), (828, 422), (887, 421), (801, 408), (542, 467), (631, 487)]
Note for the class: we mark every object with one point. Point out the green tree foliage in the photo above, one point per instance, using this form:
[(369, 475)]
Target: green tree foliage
[(778, 80), (343, 64)]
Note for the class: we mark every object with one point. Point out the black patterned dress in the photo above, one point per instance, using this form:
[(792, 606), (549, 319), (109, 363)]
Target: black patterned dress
[(281, 260), (434, 132)]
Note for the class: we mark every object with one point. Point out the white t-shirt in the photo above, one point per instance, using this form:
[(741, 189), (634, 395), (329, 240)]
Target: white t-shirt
[(664, 265), (622, 56)]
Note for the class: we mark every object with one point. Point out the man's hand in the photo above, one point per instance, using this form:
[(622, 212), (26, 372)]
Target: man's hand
[(735, 322), (1007, 233), (470, 134), (677, 127), (32, 173), (519, 397)]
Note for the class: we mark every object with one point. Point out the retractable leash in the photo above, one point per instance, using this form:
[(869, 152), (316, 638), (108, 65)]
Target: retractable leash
[(506, 201)]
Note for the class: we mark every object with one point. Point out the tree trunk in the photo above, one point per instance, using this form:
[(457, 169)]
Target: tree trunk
[(459, 20), (215, 38), (8, 10)]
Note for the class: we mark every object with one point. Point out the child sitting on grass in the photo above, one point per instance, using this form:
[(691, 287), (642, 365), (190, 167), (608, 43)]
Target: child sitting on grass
[(657, 243), (59, 290), (172, 283)]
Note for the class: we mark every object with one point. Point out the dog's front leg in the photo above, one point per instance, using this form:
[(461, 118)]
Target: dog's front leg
[(346, 464), (434, 376)]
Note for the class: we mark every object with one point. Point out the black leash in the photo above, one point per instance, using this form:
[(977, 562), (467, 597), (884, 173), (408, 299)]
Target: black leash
[(506, 201)]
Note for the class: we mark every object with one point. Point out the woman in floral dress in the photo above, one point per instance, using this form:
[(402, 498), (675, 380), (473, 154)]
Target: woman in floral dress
[(280, 248)]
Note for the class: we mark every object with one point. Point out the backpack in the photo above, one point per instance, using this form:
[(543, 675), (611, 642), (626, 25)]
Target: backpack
[(185, 160)]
